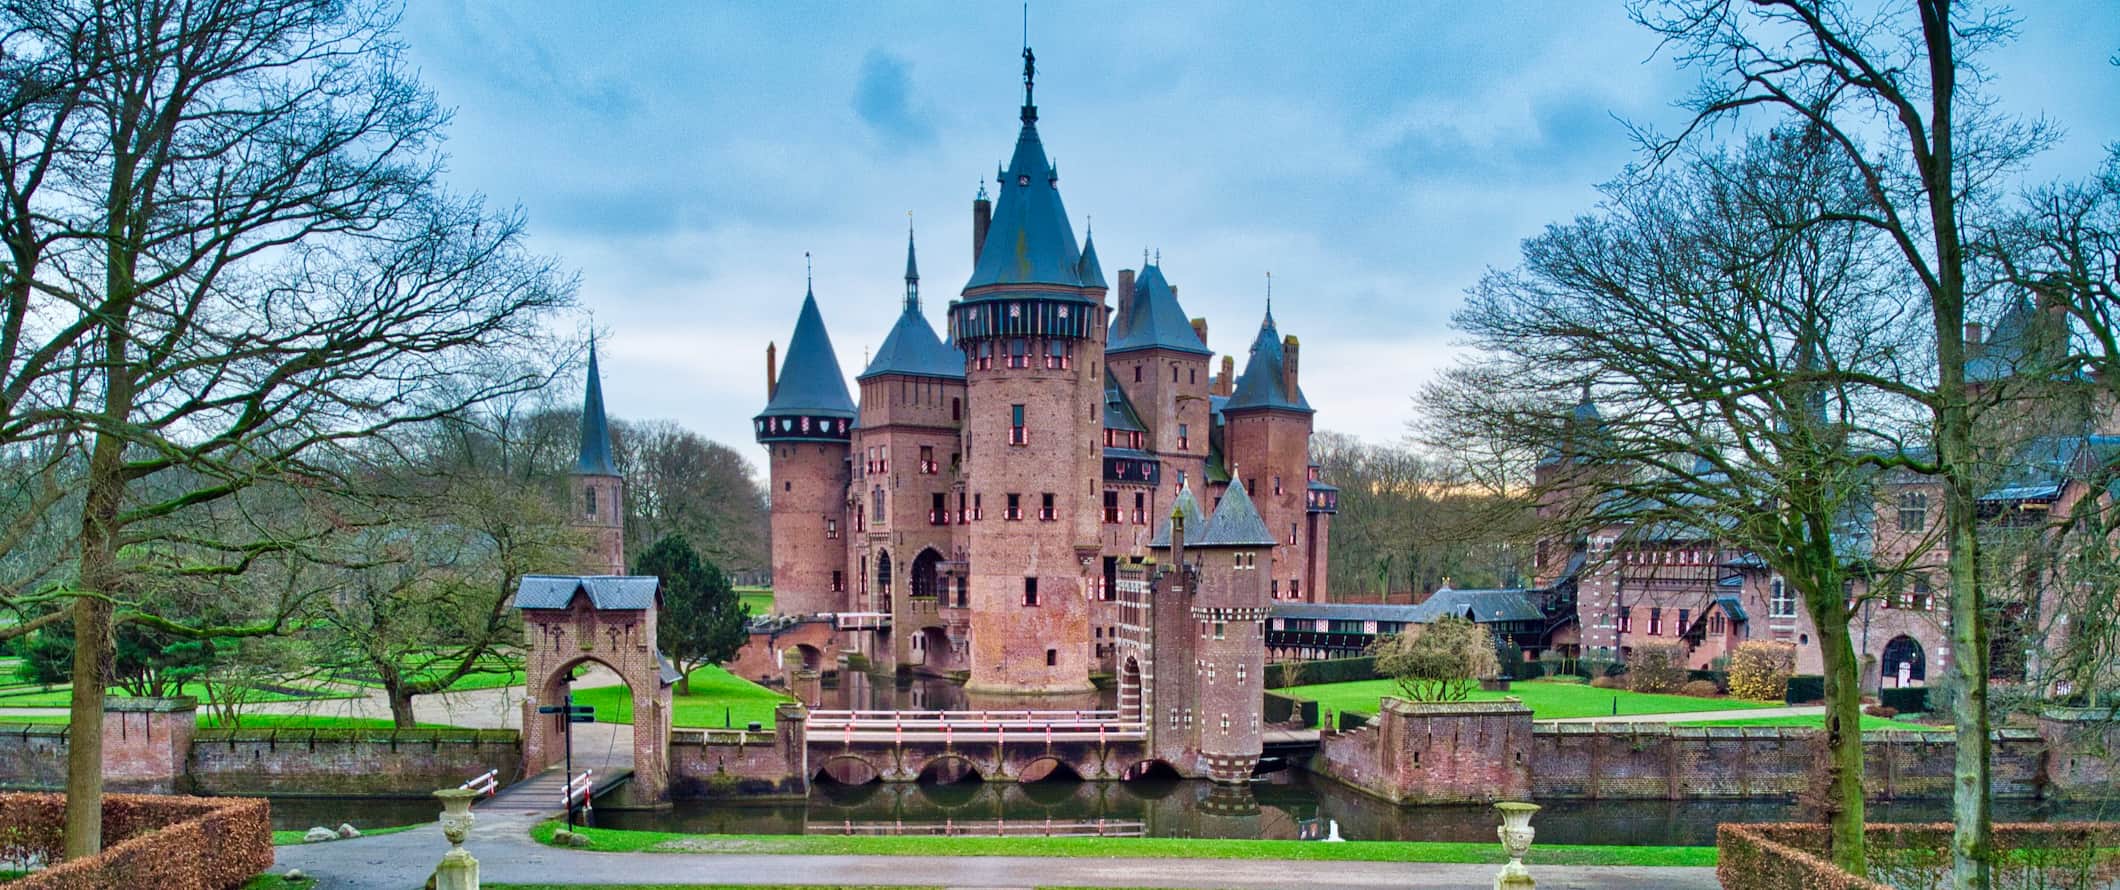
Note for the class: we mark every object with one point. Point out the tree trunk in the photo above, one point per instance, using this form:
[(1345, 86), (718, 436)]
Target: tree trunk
[(400, 706), (84, 744), (1842, 793), (1972, 835)]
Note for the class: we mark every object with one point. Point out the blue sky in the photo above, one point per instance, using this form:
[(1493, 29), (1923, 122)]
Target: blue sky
[(1376, 159)]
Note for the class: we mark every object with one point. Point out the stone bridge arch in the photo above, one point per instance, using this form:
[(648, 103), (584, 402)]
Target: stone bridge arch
[(569, 621)]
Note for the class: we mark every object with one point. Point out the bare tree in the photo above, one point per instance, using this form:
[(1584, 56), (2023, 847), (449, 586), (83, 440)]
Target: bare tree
[(1895, 93), (1750, 360), (678, 482), (239, 263)]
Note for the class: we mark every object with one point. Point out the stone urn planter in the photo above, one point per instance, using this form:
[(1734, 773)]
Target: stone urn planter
[(458, 871), (1516, 834)]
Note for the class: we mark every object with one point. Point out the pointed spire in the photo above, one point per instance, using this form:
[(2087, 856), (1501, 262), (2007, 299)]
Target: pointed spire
[(1154, 320), (912, 268), (1092, 272), (595, 459), (1263, 384), (1236, 522), (810, 385), (1185, 506), (1030, 240)]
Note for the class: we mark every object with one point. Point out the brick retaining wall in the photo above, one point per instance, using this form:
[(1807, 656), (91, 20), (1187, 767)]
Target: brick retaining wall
[(326, 762), (726, 762)]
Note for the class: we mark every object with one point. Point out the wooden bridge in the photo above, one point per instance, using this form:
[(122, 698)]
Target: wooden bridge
[(856, 747)]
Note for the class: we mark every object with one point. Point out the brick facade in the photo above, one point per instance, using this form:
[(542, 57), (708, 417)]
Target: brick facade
[(809, 491), (622, 640)]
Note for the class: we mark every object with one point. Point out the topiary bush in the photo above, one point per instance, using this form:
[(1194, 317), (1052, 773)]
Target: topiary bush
[(1760, 670), (1656, 666)]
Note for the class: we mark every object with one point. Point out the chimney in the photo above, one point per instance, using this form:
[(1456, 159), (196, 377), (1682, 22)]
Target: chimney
[(1225, 382), (772, 382), (1126, 298), (1973, 333), (1200, 330), (1289, 349), (982, 217)]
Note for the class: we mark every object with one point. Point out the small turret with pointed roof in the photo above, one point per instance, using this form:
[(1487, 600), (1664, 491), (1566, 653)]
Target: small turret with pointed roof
[(1029, 240), (810, 399), (595, 457), (1153, 319), (1264, 384), (1184, 507), (1092, 272), (912, 346), (1236, 522)]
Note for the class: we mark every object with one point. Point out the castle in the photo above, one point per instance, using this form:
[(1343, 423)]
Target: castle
[(973, 513)]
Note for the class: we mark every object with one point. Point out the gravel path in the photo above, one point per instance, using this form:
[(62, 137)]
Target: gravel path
[(507, 855)]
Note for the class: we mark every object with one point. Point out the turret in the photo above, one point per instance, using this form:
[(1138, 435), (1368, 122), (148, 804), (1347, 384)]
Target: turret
[(805, 427), (1157, 355), (597, 489), (1230, 607), (1267, 425), (1030, 325)]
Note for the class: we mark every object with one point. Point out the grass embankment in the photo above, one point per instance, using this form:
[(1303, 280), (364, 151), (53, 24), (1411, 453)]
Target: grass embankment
[(63, 696), (252, 721), (1550, 699), (1817, 721), (292, 837), (718, 698), (760, 599), (276, 882), (616, 841)]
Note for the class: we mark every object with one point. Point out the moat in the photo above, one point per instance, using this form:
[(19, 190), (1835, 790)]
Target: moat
[(1288, 806)]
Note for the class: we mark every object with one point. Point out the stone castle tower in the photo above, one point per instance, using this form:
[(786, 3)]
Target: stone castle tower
[(1268, 422), (597, 493), (805, 426)]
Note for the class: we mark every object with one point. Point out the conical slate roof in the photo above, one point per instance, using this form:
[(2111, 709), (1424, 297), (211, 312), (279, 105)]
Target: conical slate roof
[(595, 459), (810, 382), (1154, 320), (1262, 385), (1584, 423), (913, 348), (2015, 345), (1029, 240), (1236, 522), (1092, 271), (1195, 520)]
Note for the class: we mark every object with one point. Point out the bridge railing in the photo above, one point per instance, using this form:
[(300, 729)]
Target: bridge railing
[(961, 717), (991, 828)]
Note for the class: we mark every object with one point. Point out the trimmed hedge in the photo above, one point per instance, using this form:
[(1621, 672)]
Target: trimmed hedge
[(1330, 670), (1793, 855), (1805, 689), (1906, 700), (1350, 721), (1283, 708), (164, 842)]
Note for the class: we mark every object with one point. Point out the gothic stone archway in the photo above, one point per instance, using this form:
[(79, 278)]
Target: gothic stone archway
[(569, 620)]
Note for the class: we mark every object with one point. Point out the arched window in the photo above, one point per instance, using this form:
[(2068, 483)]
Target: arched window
[(589, 501), (883, 574)]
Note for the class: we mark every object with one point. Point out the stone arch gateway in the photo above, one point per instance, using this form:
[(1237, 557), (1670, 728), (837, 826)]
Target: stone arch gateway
[(572, 620)]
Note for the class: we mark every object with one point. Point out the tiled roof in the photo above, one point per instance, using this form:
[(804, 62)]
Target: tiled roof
[(1153, 319), (1236, 522), (912, 348), (605, 592), (1483, 606), (1029, 240), (1119, 413), (1092, 271), (1263, 385), (595, 458), (810, 382), (1195, 520)]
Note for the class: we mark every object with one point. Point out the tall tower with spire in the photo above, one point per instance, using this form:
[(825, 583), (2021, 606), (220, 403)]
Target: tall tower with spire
[(805, 427), (1031, 326), (907, 461), (1160, 357), (1267, 443), (597, 492)]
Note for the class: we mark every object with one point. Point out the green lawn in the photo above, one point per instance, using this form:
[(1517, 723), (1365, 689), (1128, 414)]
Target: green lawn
[(692, 887), (1548, 699), (1869, 723), (760, 599), (61, 696), (252, 721), (290, 837), (715, 693), (616, 841)]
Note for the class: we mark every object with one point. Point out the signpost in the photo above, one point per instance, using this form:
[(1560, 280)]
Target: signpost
[(574, 714)]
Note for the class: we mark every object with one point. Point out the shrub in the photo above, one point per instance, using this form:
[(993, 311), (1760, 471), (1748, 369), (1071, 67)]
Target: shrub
[(173, 843), (1700, 689), (1881, 711), (1604, 682), (1593, 668), (1804, 689), (1656, 666), (1760, 670), (1437, 661), (1907, 700)]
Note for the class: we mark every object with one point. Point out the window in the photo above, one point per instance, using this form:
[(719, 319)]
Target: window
[(1111, 505), (927, 460), (1045, 507), (956, 408), (1277, 484), (839, 581), (1019, 353), (962, 514), (1015, 507), (1684, 621), (1291, 533), (1274, 588), (1913, 511), (1923, 598), (589, 501), (1030, 591), (1059, 355), (1173, 373), (1218, 630), (1137, 373), (1192, 375), (1715, 623), (831, 528), (876, 503), (1052, 657), (978, 511), (1782, 601), (986, 356), (861, 518), (1626, 620), (1656, 621), (938, 510), (1015, 426), (1140, 508), (1295, 588)]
